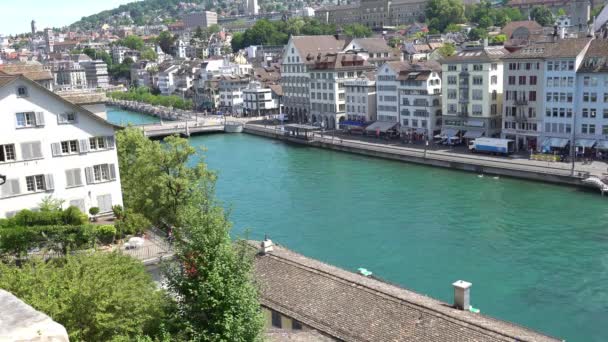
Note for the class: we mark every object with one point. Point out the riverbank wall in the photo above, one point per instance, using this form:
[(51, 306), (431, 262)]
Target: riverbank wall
[(455, 161)]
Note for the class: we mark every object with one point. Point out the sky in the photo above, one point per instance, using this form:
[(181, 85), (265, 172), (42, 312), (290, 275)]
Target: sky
[(17, 14)]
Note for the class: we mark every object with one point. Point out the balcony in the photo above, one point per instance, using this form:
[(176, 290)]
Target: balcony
[(520, 102)]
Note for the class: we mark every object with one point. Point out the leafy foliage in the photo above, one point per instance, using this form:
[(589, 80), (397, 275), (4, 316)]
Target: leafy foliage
[(19, 240), (97, 297), (166, 40), (447, 50), (357, 31), (143, 94), (542, 15), (25, 218), (485, 15), (478, 33), (441, 13), (132, 223)]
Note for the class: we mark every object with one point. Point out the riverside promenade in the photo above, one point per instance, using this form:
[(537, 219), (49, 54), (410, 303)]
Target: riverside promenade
[(441, 156)]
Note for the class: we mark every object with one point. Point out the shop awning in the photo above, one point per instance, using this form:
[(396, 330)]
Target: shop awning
[(602, 145), (586, 143), (449, 132), (382, 126), (473, 134), (556, 142), (352, 123)]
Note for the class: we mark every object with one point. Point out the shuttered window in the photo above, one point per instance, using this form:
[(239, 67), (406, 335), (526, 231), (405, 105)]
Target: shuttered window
[(66, 118), (7, 153), (39, 183), (73, 178), (10, 188), (30, 119), (31, 150), (101, 143), (100, 173)]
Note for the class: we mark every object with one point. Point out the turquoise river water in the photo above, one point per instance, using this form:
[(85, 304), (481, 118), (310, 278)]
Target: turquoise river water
[(537, 254)]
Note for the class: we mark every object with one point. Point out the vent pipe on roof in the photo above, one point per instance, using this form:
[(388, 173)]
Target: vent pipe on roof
[(462, 296), (562, 33), (266, 245)]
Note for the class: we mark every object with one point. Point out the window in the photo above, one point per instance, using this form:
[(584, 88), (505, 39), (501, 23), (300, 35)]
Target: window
[(477, 94), (605, 129), (477, 109), (584, 128), (494, 80), (591, 129), (522, 80), (102, 143), (31, 150), (296, 325), (7, 152), (73, 178), (532, 96), (100, 173), (29, 119), (451, 94), (452, 80), (494, 95), (494, 66), (276, 319), (511, 80), (477, 80), (22, 91), (533, 80), (67, 118), (39, 183), (68, 147), (451, 67), (477, 67)]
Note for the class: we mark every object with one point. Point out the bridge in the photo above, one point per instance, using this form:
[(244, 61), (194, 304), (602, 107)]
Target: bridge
[(183, 127)]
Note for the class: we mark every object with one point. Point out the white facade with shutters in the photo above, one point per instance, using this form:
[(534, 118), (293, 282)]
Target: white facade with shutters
[(49, 147)]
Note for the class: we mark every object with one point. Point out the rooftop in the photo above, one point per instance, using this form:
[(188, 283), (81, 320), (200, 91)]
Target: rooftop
[(596, 58), (352, 307), (310, 46), (487, 54), (560, 48), (32, 70)]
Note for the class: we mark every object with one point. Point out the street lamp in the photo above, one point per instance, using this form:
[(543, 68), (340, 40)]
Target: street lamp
[(2, 179)]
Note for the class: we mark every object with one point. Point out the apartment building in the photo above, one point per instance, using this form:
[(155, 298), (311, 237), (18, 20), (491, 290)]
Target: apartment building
[(299, 55), (51, 147), (410, 94), (96, 73), (374, 13), (262, 100), (201, 19), (375, 50), (592, 96), (562, 108), (231, 89), (328, 75), (361, 98), (68, 75), (523, 100), (472, 93), (167, 78)]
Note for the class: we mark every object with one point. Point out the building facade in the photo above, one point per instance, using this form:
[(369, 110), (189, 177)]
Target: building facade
[(361, 98), (51, 147), (96, 73), (259, 100), (374, 13), (201, 19), (231, 93), (472, 93)]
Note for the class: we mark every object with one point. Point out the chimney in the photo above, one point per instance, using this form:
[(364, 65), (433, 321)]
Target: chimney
[(562, 33), (266, 245), (462, 296)]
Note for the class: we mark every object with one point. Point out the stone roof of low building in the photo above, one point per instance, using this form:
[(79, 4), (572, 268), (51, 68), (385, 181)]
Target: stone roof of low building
[(311, 46), (530, 25), (596, 58), (83, 98), (373, 45), (32, 70), (352, 307), (559, 48), (276, 88)]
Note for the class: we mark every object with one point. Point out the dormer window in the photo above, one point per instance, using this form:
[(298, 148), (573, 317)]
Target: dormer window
[(22, 91), (67, 118)]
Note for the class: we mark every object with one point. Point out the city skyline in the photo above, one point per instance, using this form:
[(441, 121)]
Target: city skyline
[(18, 15)]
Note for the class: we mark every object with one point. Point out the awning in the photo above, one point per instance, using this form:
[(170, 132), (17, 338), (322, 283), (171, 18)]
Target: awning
[(602, 145), (449, 132), (475, 123), (352, 123), (586, 143), (381, 126), (473, 134), (556, 142)]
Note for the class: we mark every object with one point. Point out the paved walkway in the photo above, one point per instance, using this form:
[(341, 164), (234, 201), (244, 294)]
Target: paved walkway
[(458, 154)]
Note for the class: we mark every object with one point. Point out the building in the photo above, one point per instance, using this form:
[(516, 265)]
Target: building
[(409, 95), (361, 98), (96, 74), (375, 50), (231, 93), (591, 122), (119, 53), (261, 100), (200, 19), (68, 75), (579, 11), (375, 14), (32, 70), (252, 7), (299, 55), (52, 147), (166, 78), (299, 294), (472, 92), (328, 74)]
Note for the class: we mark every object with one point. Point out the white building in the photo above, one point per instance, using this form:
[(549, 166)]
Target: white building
[(252, 7), (410, 94), (68, 75), (96, 73), (259, 100), (375, 50), (231, 92), (166, 79), (299, 54), (592, 96), (327, 91), (361, 98), (561, 104), (201, 19), (51, 147), (472, 93)]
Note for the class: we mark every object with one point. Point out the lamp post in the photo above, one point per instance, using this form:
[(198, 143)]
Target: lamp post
[(572, 144)]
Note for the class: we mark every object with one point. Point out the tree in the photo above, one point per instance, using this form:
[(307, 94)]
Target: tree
[(215, 28), (97, 296), (542, 15), (561, 12), (394, 42), (357, 31), (478, 34), (442, 13), (499, 39), (148, 54), (132, 42), (166, 41), (447, 50)]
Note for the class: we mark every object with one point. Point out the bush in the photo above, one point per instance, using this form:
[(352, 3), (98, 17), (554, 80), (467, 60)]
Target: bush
[(19, 240), (105, 233), (94, 211), (25, 218), (132, 223), (118, 211), (73, 216)]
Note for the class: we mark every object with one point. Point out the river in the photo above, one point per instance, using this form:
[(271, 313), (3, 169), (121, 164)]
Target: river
[(537, 254)]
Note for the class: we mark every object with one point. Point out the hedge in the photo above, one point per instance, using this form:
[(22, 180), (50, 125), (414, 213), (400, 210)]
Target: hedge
[(71, 216)]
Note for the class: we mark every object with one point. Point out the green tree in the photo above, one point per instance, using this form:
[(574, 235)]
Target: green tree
[(357, 31), (132, 42), (215, 28), (561, 12), (499, 39), (97, 296), (485, 22), (166, 41), (442, 13), (447, 50), (478, 34), (542, 15), (148, 54)]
